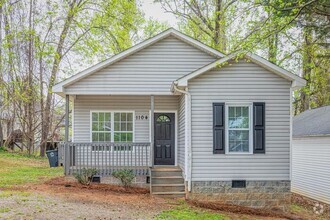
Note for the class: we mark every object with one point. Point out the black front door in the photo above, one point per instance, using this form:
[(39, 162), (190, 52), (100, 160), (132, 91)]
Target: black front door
[(164, 138)]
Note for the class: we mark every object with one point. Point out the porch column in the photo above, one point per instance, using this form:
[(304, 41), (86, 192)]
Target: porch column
[(66, 139), (67, 118), (152, 130)]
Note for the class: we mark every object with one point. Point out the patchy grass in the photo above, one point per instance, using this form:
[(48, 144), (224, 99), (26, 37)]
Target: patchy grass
[(17, 169), (297, 208), (184, 212), (4, 210)]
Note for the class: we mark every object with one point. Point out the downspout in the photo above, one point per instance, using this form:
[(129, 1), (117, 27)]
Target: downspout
[(188, 133)]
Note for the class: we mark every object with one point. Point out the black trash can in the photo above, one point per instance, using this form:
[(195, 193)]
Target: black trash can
[(52, 157)]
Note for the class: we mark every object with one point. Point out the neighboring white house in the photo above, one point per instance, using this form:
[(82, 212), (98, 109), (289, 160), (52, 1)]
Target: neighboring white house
[(311, 154), (194, 121)]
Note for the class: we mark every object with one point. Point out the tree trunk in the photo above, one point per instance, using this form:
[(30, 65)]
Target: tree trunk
[(307, 70), (46, 122), (272, 48), (219, 30), (1, 79)]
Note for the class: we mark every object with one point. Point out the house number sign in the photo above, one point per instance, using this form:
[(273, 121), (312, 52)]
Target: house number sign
[(141, 117)]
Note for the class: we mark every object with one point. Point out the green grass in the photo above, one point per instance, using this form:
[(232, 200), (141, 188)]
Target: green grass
[(4, 210), (17, 169), (184, 212), (297, 208)]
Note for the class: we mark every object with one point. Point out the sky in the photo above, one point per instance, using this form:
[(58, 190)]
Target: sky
[(154, 10)]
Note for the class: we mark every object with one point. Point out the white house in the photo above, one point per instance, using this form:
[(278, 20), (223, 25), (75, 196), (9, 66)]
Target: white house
[(193, 120), (311, 154)]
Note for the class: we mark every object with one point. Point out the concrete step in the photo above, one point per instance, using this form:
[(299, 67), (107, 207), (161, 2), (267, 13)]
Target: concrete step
[(167, 180), (170, 194), (166, 172), (166, 168), (168, 188)]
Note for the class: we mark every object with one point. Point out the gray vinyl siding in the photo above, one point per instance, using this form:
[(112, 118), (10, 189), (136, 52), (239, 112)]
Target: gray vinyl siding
[(311, 167), (241, 82), (151, 70), (84, 104), (181, 133)]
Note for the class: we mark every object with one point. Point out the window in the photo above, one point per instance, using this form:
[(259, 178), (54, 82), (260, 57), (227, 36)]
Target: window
[(112, 127), (163, 118), (123, 129), (239, 132), (101, 126)]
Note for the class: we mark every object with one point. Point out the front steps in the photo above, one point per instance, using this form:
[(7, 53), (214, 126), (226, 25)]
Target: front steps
[(167, 181)]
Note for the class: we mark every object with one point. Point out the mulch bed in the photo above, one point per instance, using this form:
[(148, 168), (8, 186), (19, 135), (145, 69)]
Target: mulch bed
[(218, 206), (60, 182)]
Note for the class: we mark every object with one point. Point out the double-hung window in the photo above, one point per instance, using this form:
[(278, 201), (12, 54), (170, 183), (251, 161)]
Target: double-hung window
[(239, 129), (101, 127), (112, 127)]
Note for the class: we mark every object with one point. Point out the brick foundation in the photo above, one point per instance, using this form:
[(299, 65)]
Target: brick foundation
[(257, 194)]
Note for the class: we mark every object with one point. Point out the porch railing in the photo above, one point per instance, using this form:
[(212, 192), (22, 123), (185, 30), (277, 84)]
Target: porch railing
[(106, 157)]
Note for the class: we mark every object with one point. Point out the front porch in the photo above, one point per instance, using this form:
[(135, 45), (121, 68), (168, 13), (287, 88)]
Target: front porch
[(107, 157), (123, 132)]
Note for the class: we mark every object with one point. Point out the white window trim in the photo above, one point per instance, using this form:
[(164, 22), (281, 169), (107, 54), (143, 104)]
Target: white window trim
[(112, 122), (239, 104)]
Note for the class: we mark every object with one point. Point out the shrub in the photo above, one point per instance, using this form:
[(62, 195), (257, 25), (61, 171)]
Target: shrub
[(85, 176), (125, 176)]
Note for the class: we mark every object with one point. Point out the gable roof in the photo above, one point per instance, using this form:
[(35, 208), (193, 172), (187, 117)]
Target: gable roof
[(59, 87), (314, 122), (297, 82)]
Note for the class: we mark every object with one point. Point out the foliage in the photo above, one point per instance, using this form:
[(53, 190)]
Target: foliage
[(42, 42), (2, 149), (85, 175), (125, 176), (184, 212), (292, 34), (18, 169)]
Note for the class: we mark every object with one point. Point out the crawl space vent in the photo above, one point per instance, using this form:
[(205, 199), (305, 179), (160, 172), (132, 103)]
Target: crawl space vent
[(238, 184)]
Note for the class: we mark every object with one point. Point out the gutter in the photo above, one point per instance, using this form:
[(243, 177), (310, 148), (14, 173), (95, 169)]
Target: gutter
[(187, 131)]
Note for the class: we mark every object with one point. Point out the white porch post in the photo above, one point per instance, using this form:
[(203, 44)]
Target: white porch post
[(66, 139), (67, 118), (152, 130)]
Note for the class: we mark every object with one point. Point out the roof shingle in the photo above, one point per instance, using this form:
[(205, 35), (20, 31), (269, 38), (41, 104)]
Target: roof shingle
[(314, 122)]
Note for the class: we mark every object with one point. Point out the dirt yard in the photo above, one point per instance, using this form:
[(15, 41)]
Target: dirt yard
[(56, 199), (31, 190), (59, 198)]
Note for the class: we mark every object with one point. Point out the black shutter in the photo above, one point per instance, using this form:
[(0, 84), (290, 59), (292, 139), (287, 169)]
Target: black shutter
[(218, 128), (259, 127)]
